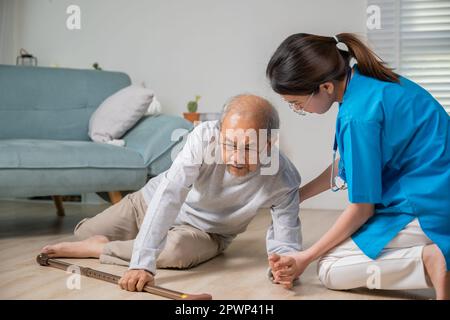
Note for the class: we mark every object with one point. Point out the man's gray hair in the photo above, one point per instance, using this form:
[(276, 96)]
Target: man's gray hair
[(272, 118)]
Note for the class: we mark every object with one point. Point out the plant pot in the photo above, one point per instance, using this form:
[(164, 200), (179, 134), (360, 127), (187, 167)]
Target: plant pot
[(192, 116)]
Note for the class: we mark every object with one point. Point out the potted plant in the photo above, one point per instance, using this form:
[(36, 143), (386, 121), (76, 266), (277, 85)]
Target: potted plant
[(192, 107), (96, 66)]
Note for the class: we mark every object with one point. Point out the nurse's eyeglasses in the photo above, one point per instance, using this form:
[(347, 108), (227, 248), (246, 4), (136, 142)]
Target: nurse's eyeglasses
[(298, 108)]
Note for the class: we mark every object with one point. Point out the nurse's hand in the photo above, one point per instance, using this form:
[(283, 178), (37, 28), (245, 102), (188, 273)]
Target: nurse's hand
[(287, 268)]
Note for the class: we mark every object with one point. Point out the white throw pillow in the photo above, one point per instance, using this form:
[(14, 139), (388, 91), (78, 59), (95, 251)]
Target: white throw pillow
[(119, 113), (154, 107)]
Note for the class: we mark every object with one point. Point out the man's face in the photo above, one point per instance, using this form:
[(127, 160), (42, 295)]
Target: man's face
[(239, 142)]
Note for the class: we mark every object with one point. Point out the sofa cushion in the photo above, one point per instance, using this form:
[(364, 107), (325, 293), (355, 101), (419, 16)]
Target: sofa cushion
[(28, 153), (154, 135), (65, 181), (52, 103)]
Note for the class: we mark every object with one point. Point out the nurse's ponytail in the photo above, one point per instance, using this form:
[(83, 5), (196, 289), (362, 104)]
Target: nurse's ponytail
[(304, 61)]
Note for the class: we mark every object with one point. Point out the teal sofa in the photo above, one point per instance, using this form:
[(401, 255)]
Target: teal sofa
[(44, 144)]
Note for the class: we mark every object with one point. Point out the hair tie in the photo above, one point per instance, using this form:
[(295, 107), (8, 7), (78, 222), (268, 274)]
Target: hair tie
[(340, 45)]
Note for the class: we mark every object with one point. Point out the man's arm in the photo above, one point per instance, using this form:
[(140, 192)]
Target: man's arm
[(284, 234), (162, 211)]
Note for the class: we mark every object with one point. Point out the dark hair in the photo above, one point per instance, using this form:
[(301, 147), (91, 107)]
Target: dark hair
[(304, 61)]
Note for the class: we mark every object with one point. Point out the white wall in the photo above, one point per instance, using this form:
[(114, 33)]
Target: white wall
[(182, 48), (9, 13)]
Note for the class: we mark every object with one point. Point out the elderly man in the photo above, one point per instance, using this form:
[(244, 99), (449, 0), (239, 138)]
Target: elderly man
[(191, 212)]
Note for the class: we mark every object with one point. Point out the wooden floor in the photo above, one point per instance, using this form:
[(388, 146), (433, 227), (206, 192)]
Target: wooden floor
[(240, 273)]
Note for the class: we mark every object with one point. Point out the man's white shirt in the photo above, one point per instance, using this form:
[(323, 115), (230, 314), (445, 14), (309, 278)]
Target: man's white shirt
[(205, 195)]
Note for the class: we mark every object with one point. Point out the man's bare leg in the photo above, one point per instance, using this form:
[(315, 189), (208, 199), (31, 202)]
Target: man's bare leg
[(89, 248), (436, 269)]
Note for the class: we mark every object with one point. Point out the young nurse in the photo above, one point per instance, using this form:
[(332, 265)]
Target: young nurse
[(393, 139)]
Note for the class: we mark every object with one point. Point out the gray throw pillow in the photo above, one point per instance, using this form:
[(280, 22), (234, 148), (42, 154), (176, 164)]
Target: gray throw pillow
[(119, 113)]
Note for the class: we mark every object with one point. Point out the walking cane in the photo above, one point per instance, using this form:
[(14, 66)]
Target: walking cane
[(44, 260)]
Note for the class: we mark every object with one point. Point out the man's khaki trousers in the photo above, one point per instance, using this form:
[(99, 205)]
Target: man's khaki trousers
[(185, 247)]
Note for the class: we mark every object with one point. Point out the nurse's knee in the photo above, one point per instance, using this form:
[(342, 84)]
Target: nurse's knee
[(325, 272)]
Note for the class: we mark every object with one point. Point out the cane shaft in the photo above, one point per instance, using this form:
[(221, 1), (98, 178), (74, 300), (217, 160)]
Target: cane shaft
[(108, 277), (167, 293)]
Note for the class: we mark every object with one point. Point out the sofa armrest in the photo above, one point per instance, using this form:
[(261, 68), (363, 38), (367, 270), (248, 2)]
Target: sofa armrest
[(152, 135)]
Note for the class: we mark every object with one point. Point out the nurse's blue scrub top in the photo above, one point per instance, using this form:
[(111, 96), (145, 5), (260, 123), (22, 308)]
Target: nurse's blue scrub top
[(394, 142)]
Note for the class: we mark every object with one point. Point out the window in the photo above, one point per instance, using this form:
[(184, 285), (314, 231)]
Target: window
[(414, 38)]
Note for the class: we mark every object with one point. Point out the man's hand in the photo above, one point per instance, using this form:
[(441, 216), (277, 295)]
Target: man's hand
[(287, 268), (286, 264), (135, 280)]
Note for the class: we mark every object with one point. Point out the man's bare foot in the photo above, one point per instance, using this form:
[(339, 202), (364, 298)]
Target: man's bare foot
[(89, 248), (436, 269)]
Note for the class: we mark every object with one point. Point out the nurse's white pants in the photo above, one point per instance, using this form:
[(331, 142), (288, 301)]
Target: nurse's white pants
[(399, 266)]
